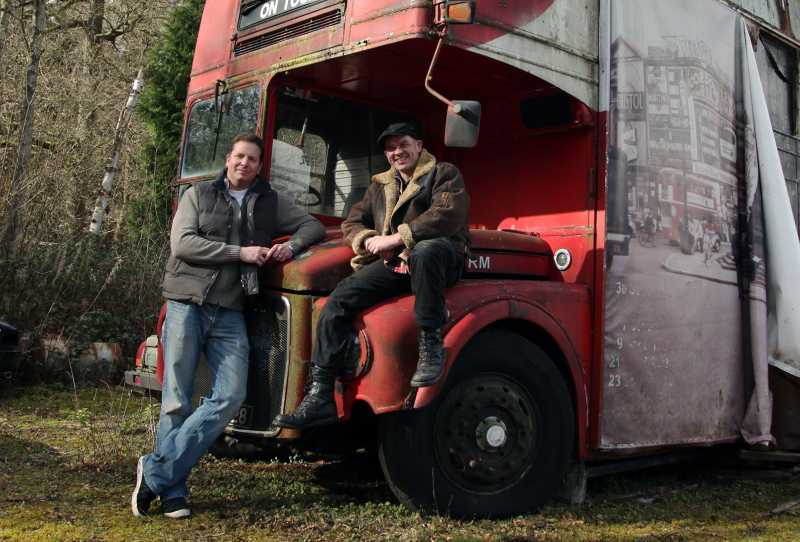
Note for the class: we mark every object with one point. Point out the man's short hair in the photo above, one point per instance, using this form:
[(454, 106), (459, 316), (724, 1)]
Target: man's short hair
[(250, 138), (399, 129)]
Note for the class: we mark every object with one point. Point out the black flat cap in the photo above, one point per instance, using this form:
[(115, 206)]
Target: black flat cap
[(399, 129)]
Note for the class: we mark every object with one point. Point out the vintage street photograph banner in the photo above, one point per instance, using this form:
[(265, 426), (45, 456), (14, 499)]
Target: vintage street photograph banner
[(673, 322)]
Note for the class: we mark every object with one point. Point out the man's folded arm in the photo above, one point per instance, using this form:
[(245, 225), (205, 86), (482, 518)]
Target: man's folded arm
[(359, 224), (305, 230)]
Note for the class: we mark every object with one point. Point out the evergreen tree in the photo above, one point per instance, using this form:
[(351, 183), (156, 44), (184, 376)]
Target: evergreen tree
[(161, 106)]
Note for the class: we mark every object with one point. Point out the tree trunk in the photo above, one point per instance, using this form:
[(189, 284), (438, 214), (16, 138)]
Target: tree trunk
[(113, 166), (87, 116), (12, 230), (5, 15), (96, 20)]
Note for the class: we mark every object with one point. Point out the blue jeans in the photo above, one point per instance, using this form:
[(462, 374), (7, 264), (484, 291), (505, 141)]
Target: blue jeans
[(185, 435)]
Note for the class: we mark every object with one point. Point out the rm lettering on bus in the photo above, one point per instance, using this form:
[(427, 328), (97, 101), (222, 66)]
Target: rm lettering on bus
[(481, 263)]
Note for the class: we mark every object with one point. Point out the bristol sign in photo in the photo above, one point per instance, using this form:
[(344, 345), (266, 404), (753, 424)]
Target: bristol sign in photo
[(269, 9)]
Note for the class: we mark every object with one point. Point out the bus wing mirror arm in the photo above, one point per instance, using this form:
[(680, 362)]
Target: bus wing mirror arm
[(463, 116)]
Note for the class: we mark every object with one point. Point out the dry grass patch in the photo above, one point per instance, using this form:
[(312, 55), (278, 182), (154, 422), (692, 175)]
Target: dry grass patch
[(67, 465)]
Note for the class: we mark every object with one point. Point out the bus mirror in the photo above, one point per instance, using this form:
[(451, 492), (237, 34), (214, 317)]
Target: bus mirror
[(463, 124), (463, 116)]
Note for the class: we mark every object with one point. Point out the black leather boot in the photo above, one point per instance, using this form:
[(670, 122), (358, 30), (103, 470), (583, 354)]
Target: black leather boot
[(431, 358), (317, 407)]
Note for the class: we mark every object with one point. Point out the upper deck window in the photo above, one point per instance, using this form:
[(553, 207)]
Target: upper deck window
[(324, 151), (259, 11), (239, 113)]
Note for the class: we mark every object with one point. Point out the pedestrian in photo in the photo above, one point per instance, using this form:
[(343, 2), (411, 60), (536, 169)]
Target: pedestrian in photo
[(708, 241)]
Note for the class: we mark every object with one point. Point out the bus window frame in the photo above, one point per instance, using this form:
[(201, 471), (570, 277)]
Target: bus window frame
[(279, 82), (275, 85), (208, 94)]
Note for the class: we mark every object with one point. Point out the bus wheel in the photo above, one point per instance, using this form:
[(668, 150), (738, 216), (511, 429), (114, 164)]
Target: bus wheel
[(496, 442)]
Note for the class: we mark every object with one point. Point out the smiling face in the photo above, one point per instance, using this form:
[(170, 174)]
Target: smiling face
[(243, 163), (402, 152)]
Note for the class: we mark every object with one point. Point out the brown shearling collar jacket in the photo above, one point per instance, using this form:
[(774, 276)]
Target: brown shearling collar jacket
[(433, 204)]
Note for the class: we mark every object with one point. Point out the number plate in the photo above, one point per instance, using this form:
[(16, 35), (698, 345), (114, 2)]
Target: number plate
[(245, 416)]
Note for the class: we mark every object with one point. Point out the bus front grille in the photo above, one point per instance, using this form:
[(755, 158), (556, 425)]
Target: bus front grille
[(268, 333)]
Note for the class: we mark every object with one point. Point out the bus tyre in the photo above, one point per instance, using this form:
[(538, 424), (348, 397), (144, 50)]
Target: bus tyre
[(497, 440)]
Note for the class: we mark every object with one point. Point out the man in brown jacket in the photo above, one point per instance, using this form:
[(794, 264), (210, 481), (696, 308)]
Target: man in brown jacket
[(409, 234)]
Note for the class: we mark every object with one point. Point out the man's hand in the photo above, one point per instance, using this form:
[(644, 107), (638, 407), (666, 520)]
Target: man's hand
[(280, 253), (383, 245), (256, 255)]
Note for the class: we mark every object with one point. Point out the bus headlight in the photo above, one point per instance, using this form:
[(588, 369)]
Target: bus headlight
[(563, 259)]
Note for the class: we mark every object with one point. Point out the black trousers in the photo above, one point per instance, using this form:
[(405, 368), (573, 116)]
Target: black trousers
[(434, 265)]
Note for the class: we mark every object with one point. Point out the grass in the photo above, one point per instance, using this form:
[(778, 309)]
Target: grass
[(67, 462)]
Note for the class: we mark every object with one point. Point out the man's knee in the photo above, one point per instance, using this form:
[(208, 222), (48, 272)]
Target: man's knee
[(431, 248), (432, 254), (340, 302), (334, 306), (175, 403)]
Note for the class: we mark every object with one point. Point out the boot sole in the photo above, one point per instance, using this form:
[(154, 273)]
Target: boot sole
[(427, 383), (317, 423)]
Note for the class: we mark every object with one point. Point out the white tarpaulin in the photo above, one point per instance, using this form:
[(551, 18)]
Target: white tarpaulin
[(780, 341), (782, 244)]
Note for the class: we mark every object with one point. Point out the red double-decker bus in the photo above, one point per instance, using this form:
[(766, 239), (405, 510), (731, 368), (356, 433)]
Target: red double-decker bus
[(554, 362)]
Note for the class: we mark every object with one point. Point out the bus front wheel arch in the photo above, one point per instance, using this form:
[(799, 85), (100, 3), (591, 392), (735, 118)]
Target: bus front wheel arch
[(497, 440)]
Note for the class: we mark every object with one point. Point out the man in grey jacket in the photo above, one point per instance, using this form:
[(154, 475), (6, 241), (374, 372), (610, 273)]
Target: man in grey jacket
[(221, 234)]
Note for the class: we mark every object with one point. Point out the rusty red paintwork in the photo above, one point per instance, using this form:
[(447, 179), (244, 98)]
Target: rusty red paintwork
[(509, 240), (366, 24), (213, 43), (319, 269), (561, 312), (514, 14)]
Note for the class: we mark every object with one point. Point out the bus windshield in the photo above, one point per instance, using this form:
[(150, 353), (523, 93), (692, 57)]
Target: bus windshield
[(323, 150), (239, 115)]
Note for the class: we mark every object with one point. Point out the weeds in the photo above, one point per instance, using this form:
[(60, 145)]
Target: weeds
[(108, 434), (67, 464)]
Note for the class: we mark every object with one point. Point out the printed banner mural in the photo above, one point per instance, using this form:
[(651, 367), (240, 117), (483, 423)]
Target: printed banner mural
[(674, 370)]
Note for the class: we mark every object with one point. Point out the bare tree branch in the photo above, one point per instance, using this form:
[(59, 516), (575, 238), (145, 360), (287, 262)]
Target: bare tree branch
[(42, 144)]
